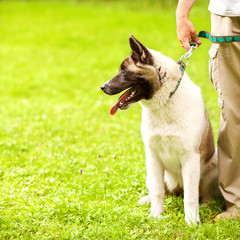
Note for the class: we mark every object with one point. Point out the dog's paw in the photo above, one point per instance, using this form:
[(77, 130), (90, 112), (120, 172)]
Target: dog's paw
[(156, 207), (155, 214), (144, 200)]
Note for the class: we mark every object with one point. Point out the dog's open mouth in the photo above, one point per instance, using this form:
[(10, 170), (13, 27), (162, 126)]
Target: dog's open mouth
[(124, 100)]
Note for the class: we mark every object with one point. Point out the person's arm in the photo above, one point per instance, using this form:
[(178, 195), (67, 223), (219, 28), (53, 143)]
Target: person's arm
[(185, 29)]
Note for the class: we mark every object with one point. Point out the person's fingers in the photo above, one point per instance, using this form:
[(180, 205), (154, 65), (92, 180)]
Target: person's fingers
[(186, 44), (196, 39)]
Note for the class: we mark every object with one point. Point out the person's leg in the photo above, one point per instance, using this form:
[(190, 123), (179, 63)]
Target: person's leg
[(225, 74)]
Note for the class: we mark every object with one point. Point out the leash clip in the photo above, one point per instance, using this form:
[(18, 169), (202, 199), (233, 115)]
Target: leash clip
[(188, 54)]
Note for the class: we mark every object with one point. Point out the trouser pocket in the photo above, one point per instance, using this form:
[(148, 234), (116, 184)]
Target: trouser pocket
[(214, 73)]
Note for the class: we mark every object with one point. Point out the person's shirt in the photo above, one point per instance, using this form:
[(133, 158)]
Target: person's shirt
[(230, 8)]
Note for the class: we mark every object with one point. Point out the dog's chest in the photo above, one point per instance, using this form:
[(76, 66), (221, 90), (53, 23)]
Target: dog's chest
[(166, 139), (169, 148)]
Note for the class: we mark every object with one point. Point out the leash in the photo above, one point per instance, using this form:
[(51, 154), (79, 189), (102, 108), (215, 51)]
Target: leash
[(183, 65), (219, 39), (194, 45)]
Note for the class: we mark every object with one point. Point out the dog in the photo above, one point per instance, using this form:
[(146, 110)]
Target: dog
[(176, 131)]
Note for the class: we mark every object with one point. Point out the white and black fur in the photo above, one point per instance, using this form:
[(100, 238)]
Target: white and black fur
[(178, 138)]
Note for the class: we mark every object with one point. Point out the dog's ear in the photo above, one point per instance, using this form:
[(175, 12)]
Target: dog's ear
[(139, 52)]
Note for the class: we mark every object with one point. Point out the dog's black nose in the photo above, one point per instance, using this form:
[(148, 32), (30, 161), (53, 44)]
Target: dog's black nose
[(103, 87)]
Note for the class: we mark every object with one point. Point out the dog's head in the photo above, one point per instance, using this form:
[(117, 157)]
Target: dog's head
[(137, 75)]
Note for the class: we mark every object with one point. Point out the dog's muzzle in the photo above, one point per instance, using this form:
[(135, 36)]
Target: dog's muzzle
[(103, 87), (109, 89)]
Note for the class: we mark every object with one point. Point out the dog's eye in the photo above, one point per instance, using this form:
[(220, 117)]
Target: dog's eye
[(123, 71)]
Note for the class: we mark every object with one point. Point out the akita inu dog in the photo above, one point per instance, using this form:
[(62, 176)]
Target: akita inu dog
[(178, 138)]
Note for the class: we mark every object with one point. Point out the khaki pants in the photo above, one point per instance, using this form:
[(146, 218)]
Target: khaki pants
[(225, 74)]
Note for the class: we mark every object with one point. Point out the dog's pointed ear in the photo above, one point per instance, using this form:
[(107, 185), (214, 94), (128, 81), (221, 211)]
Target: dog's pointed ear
[(139, 52)]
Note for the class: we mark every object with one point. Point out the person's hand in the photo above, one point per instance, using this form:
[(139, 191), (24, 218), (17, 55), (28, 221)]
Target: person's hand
[(186, 33)]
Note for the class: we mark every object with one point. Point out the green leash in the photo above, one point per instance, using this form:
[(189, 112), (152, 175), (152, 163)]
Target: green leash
[(219, 39), (193, 45), (183, 65)]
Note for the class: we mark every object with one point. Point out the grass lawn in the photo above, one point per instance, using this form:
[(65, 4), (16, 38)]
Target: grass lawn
[(69, 170)]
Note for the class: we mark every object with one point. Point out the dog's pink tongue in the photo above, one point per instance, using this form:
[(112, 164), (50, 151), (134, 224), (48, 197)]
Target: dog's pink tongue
[(121, 100), (114, 108)]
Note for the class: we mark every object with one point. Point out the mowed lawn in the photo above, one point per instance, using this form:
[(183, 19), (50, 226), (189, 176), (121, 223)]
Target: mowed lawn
[(68, 169)]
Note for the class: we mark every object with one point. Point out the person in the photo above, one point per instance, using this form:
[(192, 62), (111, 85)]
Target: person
[(224, 68)]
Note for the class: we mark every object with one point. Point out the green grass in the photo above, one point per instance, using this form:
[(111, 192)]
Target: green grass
[(68, 169)]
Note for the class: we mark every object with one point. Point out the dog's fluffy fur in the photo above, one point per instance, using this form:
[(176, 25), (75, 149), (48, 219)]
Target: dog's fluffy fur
[(178, 138)]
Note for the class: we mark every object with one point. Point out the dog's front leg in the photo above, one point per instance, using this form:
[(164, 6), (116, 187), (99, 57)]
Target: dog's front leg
[(155, 182), (191, 178)]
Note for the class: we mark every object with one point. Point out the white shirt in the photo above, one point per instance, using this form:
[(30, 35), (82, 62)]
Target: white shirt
[(230, 8)]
